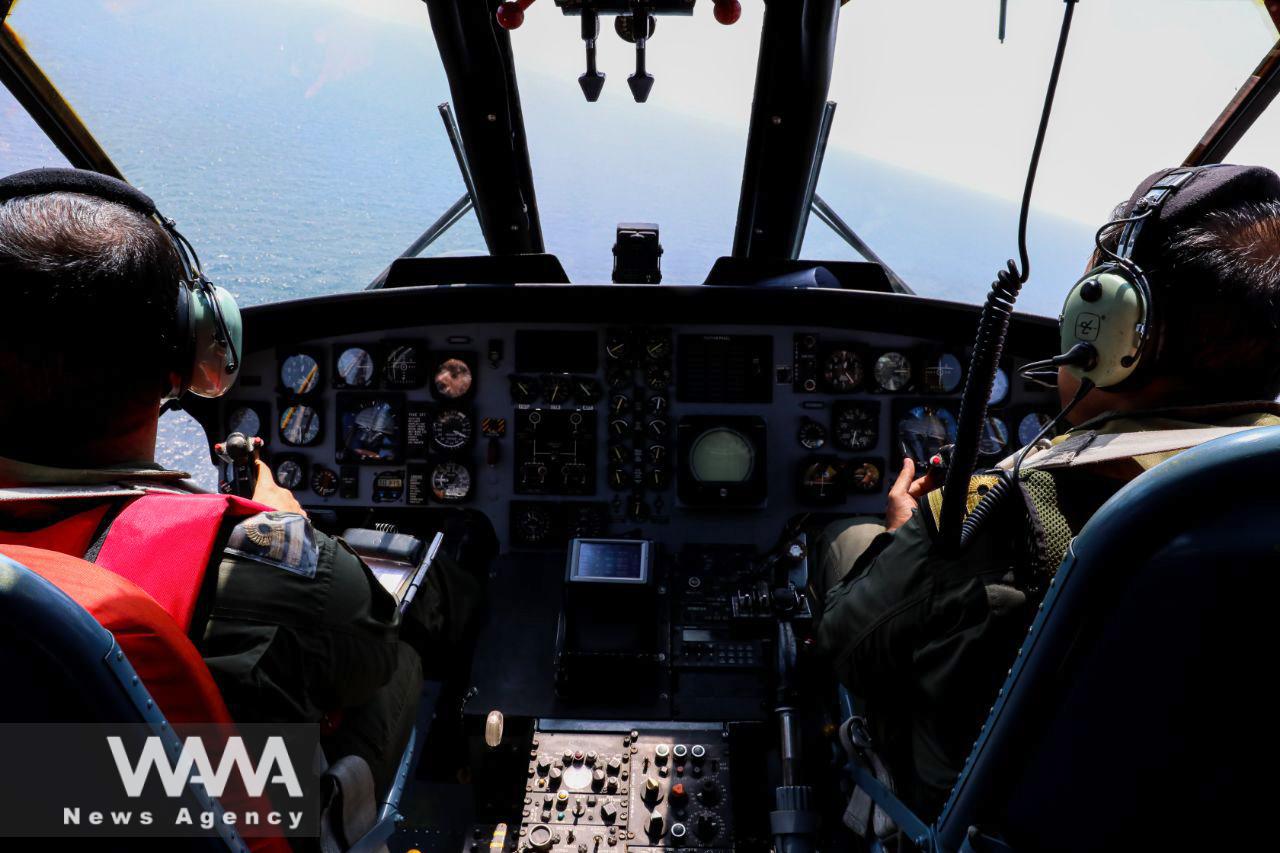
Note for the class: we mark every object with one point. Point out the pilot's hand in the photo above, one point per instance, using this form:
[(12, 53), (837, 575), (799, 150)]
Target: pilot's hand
[(907, 490), (270, 493)]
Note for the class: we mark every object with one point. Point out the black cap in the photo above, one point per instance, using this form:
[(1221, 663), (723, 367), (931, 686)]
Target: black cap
[(1207, 190)]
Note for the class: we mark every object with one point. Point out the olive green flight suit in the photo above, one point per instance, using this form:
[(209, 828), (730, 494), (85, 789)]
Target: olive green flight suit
[(924, 640), (297, 629)]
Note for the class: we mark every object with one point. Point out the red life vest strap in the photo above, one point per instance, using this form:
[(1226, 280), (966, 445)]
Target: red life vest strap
[(163, 542), (71, 536)]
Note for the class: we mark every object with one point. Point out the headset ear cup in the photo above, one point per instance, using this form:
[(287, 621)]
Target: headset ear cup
[(181, 344), (211, 368), (1107, 310)]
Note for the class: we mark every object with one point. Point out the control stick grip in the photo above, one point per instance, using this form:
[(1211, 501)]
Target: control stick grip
[(241, 455)]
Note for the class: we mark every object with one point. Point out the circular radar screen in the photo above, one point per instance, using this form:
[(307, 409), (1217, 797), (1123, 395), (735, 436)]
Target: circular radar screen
[(245, 421), (721, 455), (451, 482), (1031, 425), (300, 373), (451, 430), (924, 431), (856, 426), (402, 368), (453, 379), (999, 388), (942, 374), (842, 371), (299, 425), (289, 473), (893, 371), (994, 438), (355, 367)]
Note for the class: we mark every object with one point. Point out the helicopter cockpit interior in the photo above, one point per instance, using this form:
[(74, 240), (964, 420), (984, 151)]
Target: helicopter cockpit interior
[(652, 450)]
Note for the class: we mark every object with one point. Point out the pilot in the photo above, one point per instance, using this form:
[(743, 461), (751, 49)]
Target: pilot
[(293, 626), (923, 640)]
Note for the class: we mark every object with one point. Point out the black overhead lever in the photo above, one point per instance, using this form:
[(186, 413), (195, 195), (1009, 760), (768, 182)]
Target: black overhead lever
[(593, 80), (637, 28)]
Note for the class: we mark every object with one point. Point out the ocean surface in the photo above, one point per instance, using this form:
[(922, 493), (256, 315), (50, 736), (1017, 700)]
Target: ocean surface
[(302, 154)]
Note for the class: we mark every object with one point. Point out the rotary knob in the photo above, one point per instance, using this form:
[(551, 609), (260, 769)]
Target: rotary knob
[(540, 838), (680, 752), (652, 790), (660, 754), (597, 779), (705, 828), (678, 794), (709, 795), (553, 778), (678, 833), (544, 764), (657, 824), (697, 754)]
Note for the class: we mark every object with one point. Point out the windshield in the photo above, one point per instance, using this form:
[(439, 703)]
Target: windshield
[(298, 143), (295, 142)]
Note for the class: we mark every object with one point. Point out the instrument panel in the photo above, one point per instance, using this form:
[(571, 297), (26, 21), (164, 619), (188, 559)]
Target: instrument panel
[(682, 432)]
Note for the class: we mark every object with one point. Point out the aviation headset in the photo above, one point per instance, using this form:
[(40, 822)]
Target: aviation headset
[(205, 343), (1111, 323)]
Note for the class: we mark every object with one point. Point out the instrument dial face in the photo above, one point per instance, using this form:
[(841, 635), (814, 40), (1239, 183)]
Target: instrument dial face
[(857, 427), (300, 373), (658, 347), (355, 367), (617, 348), (388, 486), (524, 389), (324, 482), (843, 371), (586, 391), (925, 430), (533, 525), (658, 378), (995, 436), (289, 473), (370, 429), (1030, 425), (820, 482), (556, 389), (999, 388), (403, 368), (813, 435), (245, 421), (453, 379), (943, 374), (866, 476), (299, 425), (451, 430), (893, 371), (451, 482)]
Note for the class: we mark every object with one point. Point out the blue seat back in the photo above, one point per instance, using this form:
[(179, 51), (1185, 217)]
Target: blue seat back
[(1137, 715)]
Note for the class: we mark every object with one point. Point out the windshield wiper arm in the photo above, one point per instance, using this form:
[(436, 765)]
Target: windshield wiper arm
[(833, 221), (456, 211)]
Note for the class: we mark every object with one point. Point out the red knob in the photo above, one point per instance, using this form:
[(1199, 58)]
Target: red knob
[(511, 13), (728, 11)]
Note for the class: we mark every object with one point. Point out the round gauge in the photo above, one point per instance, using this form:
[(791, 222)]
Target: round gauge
[(324, 482), (299, 425), (586, 391), (1030, 426), (721, 455), (658, 347), (866, 476), (999, 388), (532, 525), (657, 478), (245, 420), (453, 379), (619, 404), (813, 435), (289, 473), (995, 437), (402, 368), (451, 430), (658, 405), (656, 454), (524, 389), (820, 482), (619, 477), (355, 367), (556, 389), (657, 428), (842, 371), (925, 430), (942, 374), (619, 378), (657, 378), (450, 482), (893, 371), (856, 427), (300, 373), (617, 348)]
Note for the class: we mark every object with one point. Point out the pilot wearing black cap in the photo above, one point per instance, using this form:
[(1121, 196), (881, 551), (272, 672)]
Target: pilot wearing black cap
[(924, 640)]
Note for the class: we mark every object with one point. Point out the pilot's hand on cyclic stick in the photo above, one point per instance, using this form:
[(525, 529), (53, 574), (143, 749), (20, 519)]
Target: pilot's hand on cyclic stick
[(905, 493), (270, 493)]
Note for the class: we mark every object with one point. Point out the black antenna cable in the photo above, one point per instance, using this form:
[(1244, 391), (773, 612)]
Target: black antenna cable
[(993, 327)]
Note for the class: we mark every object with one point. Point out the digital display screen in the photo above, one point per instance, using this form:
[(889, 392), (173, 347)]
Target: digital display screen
[(556, 351), (370, 428), (721, 455), (610, 560)]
